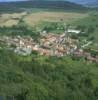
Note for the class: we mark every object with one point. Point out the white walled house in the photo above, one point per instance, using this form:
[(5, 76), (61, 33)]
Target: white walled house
[(74, 31)]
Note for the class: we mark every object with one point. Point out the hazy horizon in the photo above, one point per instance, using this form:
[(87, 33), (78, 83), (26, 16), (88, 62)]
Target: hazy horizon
[(11, 0)]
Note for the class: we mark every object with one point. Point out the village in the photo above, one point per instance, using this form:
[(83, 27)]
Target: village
[(49, 44)]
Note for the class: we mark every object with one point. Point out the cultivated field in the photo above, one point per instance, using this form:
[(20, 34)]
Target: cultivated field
[(35, 18), (9, 20)]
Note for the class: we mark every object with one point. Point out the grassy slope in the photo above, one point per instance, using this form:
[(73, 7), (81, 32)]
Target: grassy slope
[(91, 20)]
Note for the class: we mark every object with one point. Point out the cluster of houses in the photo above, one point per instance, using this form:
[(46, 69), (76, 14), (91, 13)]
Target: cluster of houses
[(49, 44), (57, 45), (86, 55)]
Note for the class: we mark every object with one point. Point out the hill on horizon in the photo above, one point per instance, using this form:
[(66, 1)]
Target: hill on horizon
[(90, 3), (18, 6)]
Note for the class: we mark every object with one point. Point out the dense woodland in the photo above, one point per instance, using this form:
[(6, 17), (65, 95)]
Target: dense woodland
[(42, 78)]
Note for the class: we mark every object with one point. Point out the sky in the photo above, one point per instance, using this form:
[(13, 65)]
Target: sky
[(59, 0), (10, 0), (23, 0), (76, 1)]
